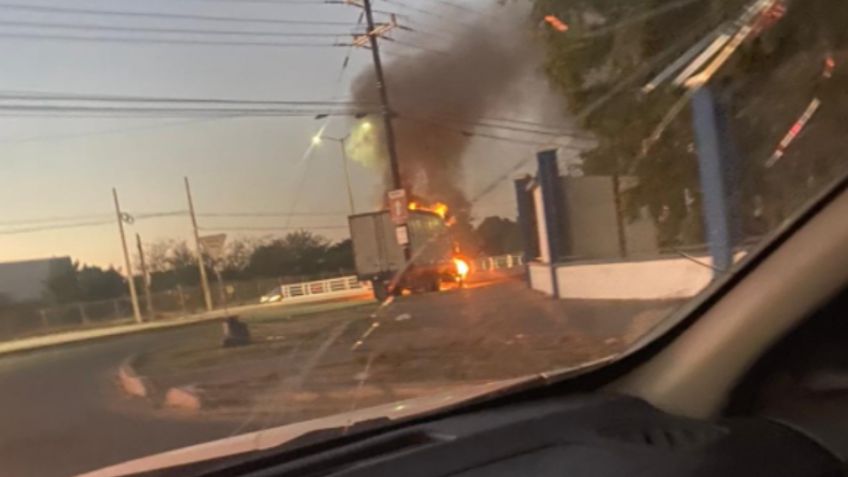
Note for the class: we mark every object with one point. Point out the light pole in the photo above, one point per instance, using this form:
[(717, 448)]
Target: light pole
[(342, 142)]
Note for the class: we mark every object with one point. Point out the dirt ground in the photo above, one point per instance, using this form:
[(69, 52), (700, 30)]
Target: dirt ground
[(334, 360)]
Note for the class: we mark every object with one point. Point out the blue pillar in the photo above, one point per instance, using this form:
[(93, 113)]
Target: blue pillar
[(550, 183), (715, 163)]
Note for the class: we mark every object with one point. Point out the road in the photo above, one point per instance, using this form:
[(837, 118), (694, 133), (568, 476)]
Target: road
[(62, 412)]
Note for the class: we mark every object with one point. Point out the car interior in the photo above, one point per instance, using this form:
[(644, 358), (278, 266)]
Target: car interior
[(750, 380)]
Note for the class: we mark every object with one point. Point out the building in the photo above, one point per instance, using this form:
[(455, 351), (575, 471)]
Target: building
[(26, 281), (579, 246)]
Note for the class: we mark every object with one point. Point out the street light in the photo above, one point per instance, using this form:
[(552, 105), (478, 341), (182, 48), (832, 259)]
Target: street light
[(316, 140)]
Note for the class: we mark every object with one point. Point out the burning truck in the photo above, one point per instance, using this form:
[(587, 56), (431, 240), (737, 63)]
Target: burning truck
[(417, 257)]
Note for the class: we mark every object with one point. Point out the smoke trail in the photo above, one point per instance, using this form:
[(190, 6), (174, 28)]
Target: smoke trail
[(435, 94)]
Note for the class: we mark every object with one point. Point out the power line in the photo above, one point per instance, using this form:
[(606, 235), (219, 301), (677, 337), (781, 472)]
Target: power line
[(271, 214), (184, 31), (179, 112), (54, 96), (271, 229), (438, 120), (456, 6), (162, 15), (44, 220), (57, 227), (272, 2), (468, 133), (442, 18), (162, 41)]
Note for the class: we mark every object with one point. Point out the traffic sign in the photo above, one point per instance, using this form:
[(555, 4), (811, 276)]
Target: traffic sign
[(402, 235), (213, 245), (398, 206)]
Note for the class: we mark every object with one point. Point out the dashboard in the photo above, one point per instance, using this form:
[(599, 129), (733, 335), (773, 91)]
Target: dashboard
[(590, 435)]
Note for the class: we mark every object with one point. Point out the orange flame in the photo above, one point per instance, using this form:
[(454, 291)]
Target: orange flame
[(437, 208), (462, 267)]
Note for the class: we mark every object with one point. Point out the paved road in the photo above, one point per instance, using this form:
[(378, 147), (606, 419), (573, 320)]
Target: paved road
[(62, 414), (63, 403)]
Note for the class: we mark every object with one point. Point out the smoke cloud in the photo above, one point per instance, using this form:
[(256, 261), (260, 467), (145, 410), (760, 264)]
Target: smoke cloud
[(435, 95)]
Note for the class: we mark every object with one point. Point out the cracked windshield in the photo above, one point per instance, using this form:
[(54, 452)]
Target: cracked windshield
[(251, 220)]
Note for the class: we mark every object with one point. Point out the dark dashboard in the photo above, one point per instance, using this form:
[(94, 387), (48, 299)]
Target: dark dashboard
[(591, 436)]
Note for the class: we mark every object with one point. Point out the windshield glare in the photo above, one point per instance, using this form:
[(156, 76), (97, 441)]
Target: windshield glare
[(222, 217)]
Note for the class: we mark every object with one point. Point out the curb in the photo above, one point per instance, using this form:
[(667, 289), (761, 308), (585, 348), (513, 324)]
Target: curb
[(187, 398), (131, 382), (78, 337)]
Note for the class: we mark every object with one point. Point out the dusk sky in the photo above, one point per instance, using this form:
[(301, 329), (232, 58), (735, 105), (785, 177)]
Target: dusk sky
[(60, 170)]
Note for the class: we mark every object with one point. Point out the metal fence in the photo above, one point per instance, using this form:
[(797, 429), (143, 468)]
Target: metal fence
[(30, 320), (501, 262)]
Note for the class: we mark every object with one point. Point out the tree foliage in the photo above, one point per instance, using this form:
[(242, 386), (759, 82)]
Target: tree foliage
[(498, 236), (85, 283), (614, 47)]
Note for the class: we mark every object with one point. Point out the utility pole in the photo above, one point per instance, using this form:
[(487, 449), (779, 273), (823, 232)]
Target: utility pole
[(127, 263), (204, 283), (145, 280), (384, 96)]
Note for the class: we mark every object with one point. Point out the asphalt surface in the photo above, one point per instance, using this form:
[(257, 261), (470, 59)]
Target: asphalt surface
[(62, 412)]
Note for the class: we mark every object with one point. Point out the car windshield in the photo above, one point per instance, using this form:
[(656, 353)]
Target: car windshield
[(219, 217)]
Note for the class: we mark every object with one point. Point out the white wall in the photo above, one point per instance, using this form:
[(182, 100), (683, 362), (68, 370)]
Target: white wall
[(644, 280), (541, 277)]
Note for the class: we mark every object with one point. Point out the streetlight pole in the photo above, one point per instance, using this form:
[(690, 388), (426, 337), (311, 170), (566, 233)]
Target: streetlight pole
[(342, 143)]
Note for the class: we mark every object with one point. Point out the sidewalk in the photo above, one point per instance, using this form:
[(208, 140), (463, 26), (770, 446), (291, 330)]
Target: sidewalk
[(69, 337)]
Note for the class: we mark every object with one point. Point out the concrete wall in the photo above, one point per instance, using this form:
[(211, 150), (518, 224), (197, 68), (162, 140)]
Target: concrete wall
[(634, 280), (591, 217), (657, 279), (540, 277), (592, 223)]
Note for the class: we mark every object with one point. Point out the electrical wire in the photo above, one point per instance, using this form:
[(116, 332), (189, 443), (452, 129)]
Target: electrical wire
[(162, 41), (456, 6), (467, 133), (437, 16), (438, 120), (182, 31), (45, 228), (54, 96), (271, 229), (180, 112), (271, 214), (45, 220), (162, 15)]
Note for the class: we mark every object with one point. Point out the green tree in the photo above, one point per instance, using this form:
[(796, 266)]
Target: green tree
[(498, 236), (85, 283), (298, 253), (96, 283)]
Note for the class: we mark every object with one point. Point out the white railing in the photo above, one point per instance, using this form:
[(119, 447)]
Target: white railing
[(340, 285), (500, 262), (351, 284)]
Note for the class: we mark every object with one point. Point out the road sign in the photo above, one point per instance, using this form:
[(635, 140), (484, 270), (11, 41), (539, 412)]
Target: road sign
[(402, 235), (398, 206), (213, 245)]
